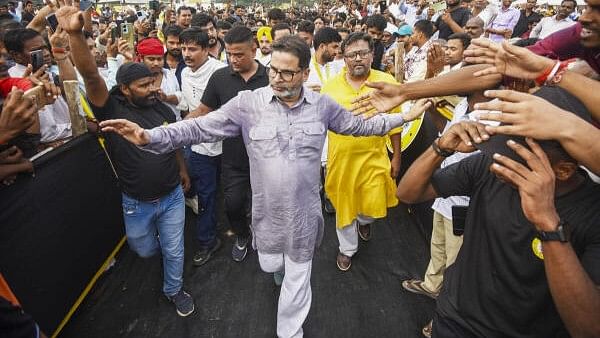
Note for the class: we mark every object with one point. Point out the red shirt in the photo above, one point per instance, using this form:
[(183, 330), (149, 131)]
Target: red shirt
[(6, 85), (565, 44)]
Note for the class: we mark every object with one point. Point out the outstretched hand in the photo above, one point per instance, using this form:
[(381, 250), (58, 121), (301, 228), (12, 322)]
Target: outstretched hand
[(523, 114), (506, 59), (69, 16), (131, 131), (417, 109), (384, 98)]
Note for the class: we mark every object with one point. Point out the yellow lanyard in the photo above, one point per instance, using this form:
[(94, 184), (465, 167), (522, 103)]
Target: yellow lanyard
[(318, 70)]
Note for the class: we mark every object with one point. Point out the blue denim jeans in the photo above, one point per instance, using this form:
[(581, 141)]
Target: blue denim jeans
[(204, 174), (165, 217)]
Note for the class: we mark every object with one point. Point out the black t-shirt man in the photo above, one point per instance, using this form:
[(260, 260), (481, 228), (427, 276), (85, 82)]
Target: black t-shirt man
[(523, 24), (497, 287), (143, 175), (222, 86), (460, 15)]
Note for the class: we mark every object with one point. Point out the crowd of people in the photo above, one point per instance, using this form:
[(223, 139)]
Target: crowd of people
[(291, 112)]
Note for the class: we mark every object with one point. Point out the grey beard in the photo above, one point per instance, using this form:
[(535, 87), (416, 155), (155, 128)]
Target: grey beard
[(288, 93)]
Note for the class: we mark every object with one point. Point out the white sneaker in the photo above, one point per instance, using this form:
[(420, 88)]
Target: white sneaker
[(192, 203)]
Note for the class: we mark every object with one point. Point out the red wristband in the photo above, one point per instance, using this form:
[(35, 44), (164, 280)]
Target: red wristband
[(540, 80), (58, 50)]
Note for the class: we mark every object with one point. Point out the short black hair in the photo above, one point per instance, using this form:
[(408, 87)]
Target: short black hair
[(377, 21), (172, 30), (276, 14), (338, 19), (279, 27), (194, 35), (202, 20), (185, 8), (15, 41), (296, 46), (425, 27), (306, 27), (264, 23), (573, 1), (222, 24), (239, 34), (355, 37), (464, 38), (326, 35)]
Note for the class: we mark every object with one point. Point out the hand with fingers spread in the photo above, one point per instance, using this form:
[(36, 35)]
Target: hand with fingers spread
[(69, 16), (435, 60), (460, 137), (18, 114), (534, 181), (506, 59), (131, 131), (384, 98), (524, 115), (59, 39), (417, 109)]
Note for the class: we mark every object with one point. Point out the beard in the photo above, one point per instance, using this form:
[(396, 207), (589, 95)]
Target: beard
[(358, 71), (287, 93), (327, 56), (144, 101), (212, 41), (174, 52)]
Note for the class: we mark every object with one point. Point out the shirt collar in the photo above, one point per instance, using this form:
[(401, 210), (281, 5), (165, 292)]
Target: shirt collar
[(260, 71), (306, 96)]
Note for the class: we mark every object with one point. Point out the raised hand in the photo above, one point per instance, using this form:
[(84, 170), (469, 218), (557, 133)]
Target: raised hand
[(384, 98), (69, 17), (18, 114), (506, 59), (125, 49), (59, 39), (534, 181), (435, 59), (460, 137), (523, 114), (129, 130)]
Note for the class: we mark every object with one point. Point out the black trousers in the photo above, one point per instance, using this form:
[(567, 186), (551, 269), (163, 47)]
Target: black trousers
[(446, 328), (238, 197)]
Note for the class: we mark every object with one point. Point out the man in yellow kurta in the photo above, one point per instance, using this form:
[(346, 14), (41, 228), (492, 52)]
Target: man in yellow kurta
[(360, 178)]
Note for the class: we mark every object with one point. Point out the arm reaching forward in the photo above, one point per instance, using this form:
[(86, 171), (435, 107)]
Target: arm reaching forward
[(213, 127), (343, 122)]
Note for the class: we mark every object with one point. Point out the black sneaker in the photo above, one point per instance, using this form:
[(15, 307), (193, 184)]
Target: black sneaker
[(184, 304), (204, 255), (240, 248)]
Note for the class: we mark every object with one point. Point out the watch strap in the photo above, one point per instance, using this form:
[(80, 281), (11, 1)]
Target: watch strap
[(560, 235)]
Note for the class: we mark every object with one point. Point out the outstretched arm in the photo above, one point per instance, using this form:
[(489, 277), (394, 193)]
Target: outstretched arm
[(343, 122), (213, 127)]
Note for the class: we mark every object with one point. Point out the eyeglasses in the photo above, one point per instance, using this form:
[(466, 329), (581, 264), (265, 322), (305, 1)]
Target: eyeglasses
[(363, 54), (286, 75)]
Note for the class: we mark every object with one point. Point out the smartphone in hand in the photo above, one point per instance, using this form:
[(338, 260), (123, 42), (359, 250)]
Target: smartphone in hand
[(52, 22), (37, 59)]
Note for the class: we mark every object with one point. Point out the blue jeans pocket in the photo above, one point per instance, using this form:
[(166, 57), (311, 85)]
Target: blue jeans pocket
[(130, 207)]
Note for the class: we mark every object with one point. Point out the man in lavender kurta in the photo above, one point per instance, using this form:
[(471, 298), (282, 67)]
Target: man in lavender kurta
[(284, 128)]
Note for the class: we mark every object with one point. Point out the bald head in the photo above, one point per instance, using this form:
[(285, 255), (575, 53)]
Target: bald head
[(474, 27)]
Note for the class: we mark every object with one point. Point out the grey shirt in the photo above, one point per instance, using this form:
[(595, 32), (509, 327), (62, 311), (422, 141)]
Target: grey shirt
[(284, 147)]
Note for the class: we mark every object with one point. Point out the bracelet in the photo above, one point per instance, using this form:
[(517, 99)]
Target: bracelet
[(555, 78), (441, 152), (540, 80), (58, 50)]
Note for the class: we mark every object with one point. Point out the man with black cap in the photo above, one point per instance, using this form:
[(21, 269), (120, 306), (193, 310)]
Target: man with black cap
[(530, 261), (153, 201)]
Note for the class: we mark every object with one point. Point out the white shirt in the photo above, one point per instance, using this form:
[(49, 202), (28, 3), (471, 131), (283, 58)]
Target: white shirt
[(265, 60), (55, 122), (319, 74), (549, 25), (170, 86), (444, 205), (488, 14), (193, 85)]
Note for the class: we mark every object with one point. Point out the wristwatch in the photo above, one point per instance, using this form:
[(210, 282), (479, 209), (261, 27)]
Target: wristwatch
[(561, 234), (441, 152)]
